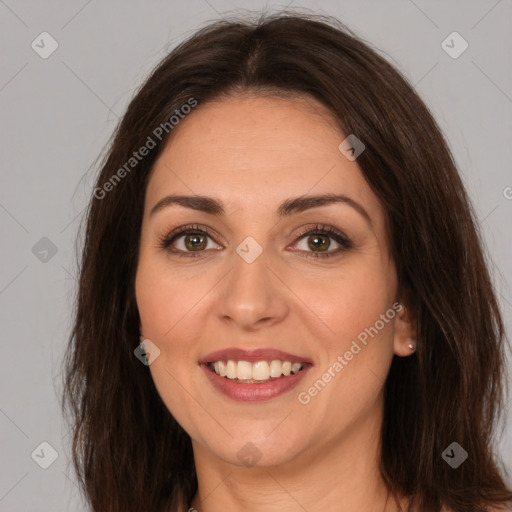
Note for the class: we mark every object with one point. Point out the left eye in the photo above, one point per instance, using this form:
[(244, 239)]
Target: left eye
[(316, 243), (320, 241)]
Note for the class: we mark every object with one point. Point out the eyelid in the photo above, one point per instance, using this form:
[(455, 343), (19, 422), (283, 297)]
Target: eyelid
[(322, 228), (166, 237)]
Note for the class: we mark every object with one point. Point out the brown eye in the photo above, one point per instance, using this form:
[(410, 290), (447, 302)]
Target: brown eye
[(320, 242), (195, 242), (316, 242), (188, 241)]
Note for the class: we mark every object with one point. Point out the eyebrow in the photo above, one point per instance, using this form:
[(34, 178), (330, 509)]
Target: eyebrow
[(288, 207)]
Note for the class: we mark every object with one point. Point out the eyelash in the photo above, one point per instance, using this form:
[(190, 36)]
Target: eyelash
[(319, 229)]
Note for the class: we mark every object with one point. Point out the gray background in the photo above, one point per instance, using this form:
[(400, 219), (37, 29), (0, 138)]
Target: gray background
[(57, 114)]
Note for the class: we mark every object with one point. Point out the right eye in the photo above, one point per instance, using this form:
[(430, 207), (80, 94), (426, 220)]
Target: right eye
[(192, 239)]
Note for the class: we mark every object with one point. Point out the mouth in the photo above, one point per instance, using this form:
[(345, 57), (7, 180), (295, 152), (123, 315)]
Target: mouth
[(254, 375)]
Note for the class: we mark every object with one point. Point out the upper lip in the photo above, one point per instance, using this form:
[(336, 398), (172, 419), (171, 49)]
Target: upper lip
[(260, 354)]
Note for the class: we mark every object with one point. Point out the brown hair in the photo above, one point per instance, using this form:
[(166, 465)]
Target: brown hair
[(130, 454)]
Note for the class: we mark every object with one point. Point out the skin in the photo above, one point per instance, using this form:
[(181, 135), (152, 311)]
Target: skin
[(252, 152)]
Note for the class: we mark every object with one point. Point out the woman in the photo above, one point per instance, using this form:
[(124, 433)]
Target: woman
[(280, 223)]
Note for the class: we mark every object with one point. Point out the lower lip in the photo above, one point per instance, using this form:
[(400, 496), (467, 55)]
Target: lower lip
[(253, 392)]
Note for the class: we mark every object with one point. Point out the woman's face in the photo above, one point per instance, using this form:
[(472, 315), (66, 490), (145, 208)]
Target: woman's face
[(252, 295)]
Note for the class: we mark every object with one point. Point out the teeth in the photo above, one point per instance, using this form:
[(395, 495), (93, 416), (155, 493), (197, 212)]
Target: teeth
[(276, 368), (231, 370), (244, 370), (296, 367), (259, 371)]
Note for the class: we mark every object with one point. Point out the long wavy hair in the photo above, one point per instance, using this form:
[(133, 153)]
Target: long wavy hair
[(129, 453)]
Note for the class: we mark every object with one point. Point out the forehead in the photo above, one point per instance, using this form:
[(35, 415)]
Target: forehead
[(255, 151)]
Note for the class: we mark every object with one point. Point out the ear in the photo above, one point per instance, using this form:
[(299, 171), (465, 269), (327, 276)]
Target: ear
[(405, 337)]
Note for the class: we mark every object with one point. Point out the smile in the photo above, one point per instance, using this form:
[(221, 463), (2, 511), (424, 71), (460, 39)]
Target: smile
[(257, 372), (254, 375)]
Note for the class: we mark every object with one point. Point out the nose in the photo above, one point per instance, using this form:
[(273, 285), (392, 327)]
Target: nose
[(252, 296)]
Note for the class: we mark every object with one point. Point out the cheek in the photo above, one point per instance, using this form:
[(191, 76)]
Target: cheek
[(348, 301), (355, 346), (163, 303), (162, 298), (153, 302), (173, 306)]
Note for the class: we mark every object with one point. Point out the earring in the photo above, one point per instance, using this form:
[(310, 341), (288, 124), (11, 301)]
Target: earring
[(412, 346)]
